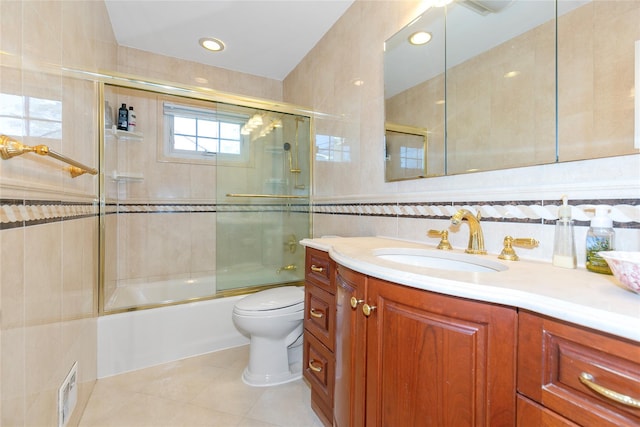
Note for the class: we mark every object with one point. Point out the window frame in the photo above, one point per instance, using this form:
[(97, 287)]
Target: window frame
[(169, 153)]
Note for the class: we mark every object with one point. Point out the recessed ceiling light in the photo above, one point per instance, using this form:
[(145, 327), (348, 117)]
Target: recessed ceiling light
[(211, 44), (420, 38), (511, 74)]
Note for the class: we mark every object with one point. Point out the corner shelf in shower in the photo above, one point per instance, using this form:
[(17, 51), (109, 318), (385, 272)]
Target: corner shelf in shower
[(124, 135), (127, 176)]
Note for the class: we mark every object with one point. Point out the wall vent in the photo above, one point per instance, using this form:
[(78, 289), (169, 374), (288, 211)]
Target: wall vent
[(68, 396), (485, 7)]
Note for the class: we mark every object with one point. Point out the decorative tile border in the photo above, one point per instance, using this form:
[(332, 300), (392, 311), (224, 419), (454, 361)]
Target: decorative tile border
[(624, 212), (21, 213)]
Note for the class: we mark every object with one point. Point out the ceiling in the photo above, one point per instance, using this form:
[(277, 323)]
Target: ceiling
[(266, 38)]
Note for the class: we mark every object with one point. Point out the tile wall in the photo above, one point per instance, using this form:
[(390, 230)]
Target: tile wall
[(48, 222), (48, 227), (352, 199)]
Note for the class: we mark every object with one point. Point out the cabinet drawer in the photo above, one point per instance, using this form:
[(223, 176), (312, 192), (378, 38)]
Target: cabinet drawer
[(553, 356), (319, 368), (530, 414), (319, 268), (319, 314)]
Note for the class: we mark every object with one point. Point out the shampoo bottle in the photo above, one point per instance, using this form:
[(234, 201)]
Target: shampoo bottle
[(564, 245), (123, 117), (132, 120), (600, 237)]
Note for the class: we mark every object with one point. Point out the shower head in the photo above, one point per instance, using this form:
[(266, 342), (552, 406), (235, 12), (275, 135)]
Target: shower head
[(287, 146)]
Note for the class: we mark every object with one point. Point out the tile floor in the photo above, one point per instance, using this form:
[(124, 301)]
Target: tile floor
[(199, 391)]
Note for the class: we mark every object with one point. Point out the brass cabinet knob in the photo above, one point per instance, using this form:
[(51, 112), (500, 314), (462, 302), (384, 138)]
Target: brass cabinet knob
[(368, 309), (355, 301)]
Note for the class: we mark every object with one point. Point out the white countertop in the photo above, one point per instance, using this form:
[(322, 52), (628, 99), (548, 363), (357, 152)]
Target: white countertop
[(579, 296)]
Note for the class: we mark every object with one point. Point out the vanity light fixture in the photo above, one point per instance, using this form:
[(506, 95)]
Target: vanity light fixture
[(209, 43), (419, 38)]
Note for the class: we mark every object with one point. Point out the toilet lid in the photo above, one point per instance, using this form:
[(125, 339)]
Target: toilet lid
[(272, 299)]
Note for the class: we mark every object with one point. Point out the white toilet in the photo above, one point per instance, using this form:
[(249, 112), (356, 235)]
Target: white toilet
[(273, 320)]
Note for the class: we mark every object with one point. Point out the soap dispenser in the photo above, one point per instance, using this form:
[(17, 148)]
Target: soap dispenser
[(564, 246), (600, 237)]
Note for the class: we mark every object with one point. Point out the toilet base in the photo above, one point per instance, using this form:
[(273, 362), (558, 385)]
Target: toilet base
[(283, 376), (257, 380)]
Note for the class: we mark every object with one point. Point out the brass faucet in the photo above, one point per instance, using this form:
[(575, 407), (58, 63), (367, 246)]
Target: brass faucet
[(476, 239), (290, 267)]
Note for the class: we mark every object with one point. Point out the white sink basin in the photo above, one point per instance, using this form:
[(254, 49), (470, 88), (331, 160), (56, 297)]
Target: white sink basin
[(440, 260)]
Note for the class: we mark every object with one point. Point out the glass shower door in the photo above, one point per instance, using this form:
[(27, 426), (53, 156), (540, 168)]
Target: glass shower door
[(262, 202)]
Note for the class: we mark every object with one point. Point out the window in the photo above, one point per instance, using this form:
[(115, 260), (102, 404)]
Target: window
[(196, 132), (30, 116), (332, 149), (411, 157)]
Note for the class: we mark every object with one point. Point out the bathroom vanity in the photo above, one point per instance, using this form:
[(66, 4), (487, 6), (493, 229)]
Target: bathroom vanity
[(398, 344)]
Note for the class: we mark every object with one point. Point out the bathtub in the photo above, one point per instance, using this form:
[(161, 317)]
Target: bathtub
[(139, 339), (161, 292), (138, 294)]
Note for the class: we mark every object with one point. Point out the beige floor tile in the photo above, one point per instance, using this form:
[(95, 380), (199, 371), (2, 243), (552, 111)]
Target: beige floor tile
[(202, 391)]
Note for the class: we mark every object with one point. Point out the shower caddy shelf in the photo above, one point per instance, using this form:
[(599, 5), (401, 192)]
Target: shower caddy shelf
[(124, 135)]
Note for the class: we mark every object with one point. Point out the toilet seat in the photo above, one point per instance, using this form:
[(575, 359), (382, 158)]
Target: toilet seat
[(286, 299)]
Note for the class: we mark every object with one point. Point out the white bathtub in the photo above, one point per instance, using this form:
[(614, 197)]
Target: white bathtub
[(161, 292), (139, 339)]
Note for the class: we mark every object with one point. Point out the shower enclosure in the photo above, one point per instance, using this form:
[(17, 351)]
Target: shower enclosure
[(208, 196)]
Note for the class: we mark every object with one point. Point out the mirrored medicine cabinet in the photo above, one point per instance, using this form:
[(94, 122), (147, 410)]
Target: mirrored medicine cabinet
[(511, 83)]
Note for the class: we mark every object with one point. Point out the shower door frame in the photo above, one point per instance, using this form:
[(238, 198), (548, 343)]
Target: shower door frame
[(168, 88)]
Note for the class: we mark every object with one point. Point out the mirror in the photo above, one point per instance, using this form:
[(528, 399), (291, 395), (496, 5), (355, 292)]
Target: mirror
[(405, 149), (515, 86)]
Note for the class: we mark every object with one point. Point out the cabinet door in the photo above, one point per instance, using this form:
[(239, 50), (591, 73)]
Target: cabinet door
[(434, 360), (349, 350)]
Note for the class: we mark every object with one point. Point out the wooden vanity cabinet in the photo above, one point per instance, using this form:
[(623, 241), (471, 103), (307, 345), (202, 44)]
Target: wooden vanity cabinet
[(552, 356), (420, 358), (350, 350), (319, 331)]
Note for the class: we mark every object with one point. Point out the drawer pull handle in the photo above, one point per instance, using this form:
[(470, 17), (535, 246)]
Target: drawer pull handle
[(313, 367), (355, 301), (316, 269), (316, 314), (589, 381)]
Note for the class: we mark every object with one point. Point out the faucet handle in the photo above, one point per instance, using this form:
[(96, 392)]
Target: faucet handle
[(509, 254), (444, 238)]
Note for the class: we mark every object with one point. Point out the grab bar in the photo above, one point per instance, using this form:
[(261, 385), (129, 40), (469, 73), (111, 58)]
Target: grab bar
[(10, 147), (267, 196)]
